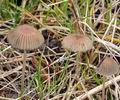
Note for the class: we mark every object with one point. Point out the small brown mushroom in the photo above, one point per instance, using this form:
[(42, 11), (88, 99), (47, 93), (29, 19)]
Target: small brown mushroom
[(77, 43), (107, 68), (25, 37)]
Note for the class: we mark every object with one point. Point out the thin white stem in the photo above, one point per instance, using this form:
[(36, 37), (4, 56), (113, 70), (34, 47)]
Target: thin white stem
[(23, 71), (103, 91)]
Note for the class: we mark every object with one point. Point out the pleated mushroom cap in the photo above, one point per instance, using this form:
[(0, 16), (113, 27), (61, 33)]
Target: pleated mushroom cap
[(77, 43), (25, 37), (108, 67)]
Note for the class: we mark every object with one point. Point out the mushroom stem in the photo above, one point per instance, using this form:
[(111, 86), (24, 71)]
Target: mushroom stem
[(23, 71), (103, 91), (78, 59)]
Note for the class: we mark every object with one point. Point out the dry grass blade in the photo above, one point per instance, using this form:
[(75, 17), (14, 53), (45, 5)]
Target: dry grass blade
[(98, 88), (52, 72), (15, 70)]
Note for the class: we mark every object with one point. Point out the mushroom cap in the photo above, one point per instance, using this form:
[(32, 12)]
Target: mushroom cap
[(77, 43), (108, 67), (25, 37)]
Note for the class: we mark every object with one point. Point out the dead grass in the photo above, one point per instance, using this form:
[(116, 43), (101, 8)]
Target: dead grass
[(50, 70)]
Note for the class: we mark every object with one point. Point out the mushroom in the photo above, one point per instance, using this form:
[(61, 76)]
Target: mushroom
[(107, 68), (25, 37), (77, 43)]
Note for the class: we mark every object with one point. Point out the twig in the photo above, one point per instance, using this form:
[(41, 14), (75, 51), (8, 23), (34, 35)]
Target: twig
[(7, 73), (11, 60), (97, 89), (4, 98)]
